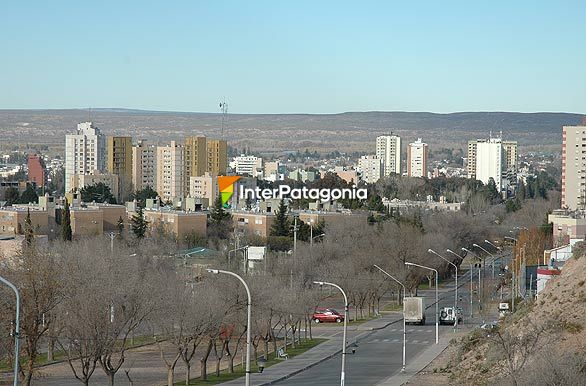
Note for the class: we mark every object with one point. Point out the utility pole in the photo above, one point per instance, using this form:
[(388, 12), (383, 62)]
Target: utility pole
[(295, 237), (224, 110)]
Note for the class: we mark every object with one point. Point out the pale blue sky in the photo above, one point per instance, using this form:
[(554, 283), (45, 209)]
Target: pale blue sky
[(295, 56)]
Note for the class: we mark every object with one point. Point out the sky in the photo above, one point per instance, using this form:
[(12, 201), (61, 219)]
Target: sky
[(294, 56)]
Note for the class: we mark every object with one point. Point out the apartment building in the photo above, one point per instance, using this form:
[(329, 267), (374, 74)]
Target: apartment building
[(247, 165), (12, 220), (574, 167), (205, 186), (144, 165), (177, 222), (217, 160), (253, 223), (79, 181), (36, 171), (195, 157), (493, 158), (119, 158), (85, 152), (388, 150), (86, 221), (170, 171), (370, 168), (417, 154)]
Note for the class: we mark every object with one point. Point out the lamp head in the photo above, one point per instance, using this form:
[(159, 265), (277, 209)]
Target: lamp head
[(318, 282), (215, 271), (488, 242), (476, 245), (430, 250), (465, 250), (449, 251), (408, 263)]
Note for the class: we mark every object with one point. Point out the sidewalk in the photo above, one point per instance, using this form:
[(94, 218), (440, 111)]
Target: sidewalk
[(318, 354)]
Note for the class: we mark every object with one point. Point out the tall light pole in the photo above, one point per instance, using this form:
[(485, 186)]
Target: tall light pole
[(471, 279), (322, 283), (112, 236), (484, 263), (404, 324), (493, 260), (16, 328), (455, 289), (436, 298), (471, 276), (248, 318), (513, 273)]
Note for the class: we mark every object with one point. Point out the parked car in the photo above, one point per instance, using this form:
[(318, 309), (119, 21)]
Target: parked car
[(327, 315)]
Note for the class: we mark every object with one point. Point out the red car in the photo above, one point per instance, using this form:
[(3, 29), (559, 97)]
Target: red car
[(327, 315)]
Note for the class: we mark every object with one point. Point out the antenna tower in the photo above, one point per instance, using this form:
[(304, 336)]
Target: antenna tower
[(224, 110)]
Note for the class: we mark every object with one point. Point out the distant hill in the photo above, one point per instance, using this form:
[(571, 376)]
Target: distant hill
[(344, 131)]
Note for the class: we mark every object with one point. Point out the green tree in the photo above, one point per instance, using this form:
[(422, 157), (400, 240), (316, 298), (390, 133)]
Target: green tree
[(143, 194), (282, 225), (139, 224), (11, 195), (66, 233), (220, 220), (29, 195), (98, 192), (29, 234)]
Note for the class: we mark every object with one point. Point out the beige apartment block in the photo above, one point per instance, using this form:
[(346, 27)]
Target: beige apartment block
[(12, 220), (205, 186), (170, 171), (195, 156), (315, 217), (253, 223), (110, 215), (119, 160), (574, 167), (144, 165), (217, 159), (86, 222), (567, 226), (179, 223), (417, 154)]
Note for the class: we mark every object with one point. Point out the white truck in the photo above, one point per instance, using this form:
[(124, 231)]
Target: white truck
[(448, 315), (414, 310)]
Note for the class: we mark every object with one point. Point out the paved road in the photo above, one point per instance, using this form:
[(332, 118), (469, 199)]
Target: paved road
[(379, 354)]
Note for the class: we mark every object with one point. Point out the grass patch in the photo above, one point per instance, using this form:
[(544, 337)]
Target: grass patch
[(392, 307), (239, 370)]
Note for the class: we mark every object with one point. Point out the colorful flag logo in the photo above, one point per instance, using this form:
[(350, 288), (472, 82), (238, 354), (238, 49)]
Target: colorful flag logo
[(226, 185)]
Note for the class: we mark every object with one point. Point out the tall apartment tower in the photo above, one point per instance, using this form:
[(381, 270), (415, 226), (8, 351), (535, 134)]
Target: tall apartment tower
[(371, 168), (511, 156), (471, 166), (195, 156), (170, 171), (417, 159), (388, 149), (36, 170), (85, 152), (490, 162), (144, 165), (574, 167), (217, 157), (120, 157)]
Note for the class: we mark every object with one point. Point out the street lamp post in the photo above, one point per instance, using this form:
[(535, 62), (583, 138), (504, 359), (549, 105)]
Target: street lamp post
[(322, 283), (498, 249), (513, 274), (436, 298), (484, 265), (248, 318), (16, 328), (404, 324), (471, 276), (455, 290), (471, 279)]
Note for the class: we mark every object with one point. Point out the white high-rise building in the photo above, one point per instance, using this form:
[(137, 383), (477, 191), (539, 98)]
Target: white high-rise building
[(144, 165), (85, 152), (371, 168), (388, 150), (247, 165), (489, 162), (170, 171), (417, 159)]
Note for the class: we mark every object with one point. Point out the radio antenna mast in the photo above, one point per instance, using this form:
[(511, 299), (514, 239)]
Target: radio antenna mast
[(224, 110)]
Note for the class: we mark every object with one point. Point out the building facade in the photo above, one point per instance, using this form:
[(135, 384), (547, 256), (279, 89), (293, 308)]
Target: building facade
[(388, 150), (144, 165), (417, 159), (195, 156), (205, 186), (247, 165), (489, 162), (85, 152), (79, 181), (119, 159), (371, 168), (36, 171), (217, 159), (170, 171), (574, 167)]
